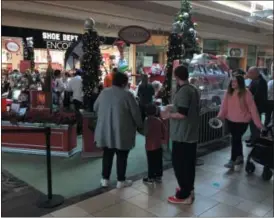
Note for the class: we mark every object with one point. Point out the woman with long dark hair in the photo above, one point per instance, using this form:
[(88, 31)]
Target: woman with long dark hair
[(238, 108)]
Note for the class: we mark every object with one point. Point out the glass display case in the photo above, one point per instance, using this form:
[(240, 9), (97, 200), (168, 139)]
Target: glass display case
[(210, 74)]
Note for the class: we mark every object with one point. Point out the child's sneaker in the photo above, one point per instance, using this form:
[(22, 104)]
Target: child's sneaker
[(186, 201), (124, 184), (148, 180), (230, 164), (104, 183), (158, 179)]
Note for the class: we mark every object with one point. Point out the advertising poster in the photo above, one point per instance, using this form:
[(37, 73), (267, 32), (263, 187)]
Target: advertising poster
[(24, 65), (40, 100)]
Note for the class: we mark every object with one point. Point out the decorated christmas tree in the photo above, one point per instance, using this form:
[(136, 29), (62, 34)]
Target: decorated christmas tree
[(183, 43), (91, 61)]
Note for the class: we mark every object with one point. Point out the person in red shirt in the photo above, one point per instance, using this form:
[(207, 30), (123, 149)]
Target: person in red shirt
[(154, 130), (109, 77)]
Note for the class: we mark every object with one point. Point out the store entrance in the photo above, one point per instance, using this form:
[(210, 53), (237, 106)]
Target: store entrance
[(234, 63)]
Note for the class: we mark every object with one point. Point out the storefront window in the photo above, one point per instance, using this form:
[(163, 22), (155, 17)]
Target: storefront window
[(12, 53), (151, 58), (111, 57), (251, 55), (265, 58), (215, 46)]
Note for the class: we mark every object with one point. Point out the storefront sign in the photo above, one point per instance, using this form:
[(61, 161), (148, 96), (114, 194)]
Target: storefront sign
[(134, 34), (60, 41), (12, 46), (45, 38)]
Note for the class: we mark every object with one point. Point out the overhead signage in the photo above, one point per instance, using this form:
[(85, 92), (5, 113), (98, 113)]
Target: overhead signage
[(134, 34), (12, 46), (60, 41), (47, 39)]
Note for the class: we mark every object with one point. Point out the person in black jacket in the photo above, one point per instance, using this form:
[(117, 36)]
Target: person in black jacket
[(258, 88)]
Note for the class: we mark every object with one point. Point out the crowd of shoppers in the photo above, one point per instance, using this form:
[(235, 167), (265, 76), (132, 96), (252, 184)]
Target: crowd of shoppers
[(120, 115)]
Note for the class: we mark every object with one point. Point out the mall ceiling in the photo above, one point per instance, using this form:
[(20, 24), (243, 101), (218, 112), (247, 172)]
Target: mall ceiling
[(201, 13), (67, 16)]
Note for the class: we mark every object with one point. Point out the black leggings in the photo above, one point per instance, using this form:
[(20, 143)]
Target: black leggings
[(121, 163), (237, 131)]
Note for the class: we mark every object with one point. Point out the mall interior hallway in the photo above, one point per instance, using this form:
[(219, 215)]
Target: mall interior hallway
[(219, 193), (76, 178)]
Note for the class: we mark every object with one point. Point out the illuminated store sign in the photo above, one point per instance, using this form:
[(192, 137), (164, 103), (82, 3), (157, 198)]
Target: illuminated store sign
[(60, 41), (45, 38)]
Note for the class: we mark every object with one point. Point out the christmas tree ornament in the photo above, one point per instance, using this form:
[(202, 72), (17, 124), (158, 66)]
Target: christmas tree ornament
[(191, 30), (186, 15), (176, 27), (89, 24)]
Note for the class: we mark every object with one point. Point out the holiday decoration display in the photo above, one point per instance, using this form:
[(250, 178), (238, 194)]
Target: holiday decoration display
[(91, 60), (183, 43), (122, 63)]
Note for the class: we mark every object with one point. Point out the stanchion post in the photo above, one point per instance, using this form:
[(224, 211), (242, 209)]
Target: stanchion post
[(49, 201), (48, 154)]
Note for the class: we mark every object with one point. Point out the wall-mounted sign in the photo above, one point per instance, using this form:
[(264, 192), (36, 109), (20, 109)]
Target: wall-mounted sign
[(236, 52), (60, 41), (134, 34), (47, 39), (12, 46)]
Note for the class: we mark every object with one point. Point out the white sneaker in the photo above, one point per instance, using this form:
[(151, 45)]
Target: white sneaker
[(104, 183), (124, 184)]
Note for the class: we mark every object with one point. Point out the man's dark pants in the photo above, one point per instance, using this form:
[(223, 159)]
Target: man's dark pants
[(184, 162)]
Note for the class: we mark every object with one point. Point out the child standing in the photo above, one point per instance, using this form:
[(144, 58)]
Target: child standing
[(154, 133)]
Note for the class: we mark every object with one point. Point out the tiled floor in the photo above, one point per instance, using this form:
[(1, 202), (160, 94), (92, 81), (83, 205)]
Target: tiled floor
[(219, 193)]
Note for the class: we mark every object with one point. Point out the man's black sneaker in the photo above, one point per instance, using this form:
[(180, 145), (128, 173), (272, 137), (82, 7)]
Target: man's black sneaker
[(158, 179), (148, 180)]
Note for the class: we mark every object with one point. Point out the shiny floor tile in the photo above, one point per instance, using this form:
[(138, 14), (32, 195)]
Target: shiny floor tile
[(125, 193), (144, 201), (165, 209), (99, 202), (71, 211), (226, 198), (123, 209), (223, 210)]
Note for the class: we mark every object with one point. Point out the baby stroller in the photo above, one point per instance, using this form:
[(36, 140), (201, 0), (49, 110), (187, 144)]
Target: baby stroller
[(262, 153)]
